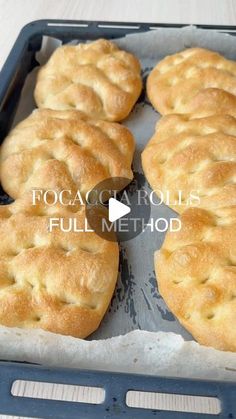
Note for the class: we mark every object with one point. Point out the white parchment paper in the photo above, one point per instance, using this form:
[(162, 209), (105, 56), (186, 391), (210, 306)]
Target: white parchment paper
[(160, 353), (118, 345)]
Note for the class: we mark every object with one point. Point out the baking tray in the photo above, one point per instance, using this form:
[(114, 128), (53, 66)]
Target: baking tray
[(20, 62)]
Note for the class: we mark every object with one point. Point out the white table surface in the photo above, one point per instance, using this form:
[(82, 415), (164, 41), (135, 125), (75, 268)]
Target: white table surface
[(16, 13)]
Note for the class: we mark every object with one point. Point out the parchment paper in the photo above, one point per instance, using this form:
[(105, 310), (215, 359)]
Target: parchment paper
[(153, 353), (136, 303)]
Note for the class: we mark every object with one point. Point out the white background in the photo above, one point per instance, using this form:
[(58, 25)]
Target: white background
[(16, 13)]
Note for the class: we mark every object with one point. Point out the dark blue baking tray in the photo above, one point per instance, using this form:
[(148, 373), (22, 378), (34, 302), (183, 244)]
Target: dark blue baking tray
[(19, 63)]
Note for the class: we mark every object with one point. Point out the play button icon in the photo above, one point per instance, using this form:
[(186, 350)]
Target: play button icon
[(125, 208), (117, 210)]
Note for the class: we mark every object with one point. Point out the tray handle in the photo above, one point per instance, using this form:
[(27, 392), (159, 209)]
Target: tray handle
[(116, 386)]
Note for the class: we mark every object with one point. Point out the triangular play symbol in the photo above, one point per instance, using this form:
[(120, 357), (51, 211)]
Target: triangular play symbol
[(117, 210)]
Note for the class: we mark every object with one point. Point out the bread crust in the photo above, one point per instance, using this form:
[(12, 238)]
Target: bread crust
[(57, 281), (64, 150), (194, 150), (196, 272), (196, 81), (196, 157), (96, 78)]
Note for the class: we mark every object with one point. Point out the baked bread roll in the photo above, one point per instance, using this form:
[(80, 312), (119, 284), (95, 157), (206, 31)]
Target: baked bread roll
[(196, 273), (97, 78), (64, 150), (192, 162), (196, 81), (58, 281)]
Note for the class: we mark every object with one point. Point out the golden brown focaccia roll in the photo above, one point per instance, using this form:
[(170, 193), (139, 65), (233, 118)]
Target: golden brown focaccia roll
[(196, 157), (196, 81), (196, 273), (64, 150), (97, 78), (58, 281)]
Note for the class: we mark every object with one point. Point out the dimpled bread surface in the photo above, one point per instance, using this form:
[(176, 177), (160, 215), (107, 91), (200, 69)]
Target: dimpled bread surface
[(58, 281), (196, 81), (64, 150), (194, 156), (96, 78), (193, 150), (196, 271)]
